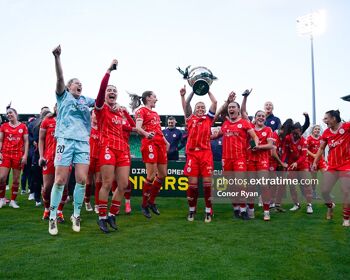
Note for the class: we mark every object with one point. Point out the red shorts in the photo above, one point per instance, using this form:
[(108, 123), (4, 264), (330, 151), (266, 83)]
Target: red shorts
[(234, 165), (8, 162), (154, 152), (199, 163), (94, 166), (345, 167), (258, 165), (114, 157), (49, 168)]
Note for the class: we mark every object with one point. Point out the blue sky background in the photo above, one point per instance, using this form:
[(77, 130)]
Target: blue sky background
[(246, 43)]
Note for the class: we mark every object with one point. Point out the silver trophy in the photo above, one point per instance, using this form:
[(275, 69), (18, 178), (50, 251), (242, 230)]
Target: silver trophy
[(199, 78)]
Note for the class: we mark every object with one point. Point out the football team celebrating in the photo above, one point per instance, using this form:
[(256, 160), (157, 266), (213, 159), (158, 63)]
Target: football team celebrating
[(90, 138)]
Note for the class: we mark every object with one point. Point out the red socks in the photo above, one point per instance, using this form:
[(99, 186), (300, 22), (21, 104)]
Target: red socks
[(102, 209), (146, 191), (115, 206), (266, 206), (346, 213), (14, 191), (192, 195), (157, 184)]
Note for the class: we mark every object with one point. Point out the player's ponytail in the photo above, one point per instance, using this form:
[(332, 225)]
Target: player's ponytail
[(135, 101)]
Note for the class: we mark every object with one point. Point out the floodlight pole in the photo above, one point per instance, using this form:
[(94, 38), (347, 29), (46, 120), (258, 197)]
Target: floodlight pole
[(307, 25), (313, 82)]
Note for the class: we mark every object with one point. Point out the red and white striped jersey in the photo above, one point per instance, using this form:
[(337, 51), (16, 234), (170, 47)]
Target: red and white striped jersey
[(13, 139), (296, 151), (110, 127), (339, 145), (313, 144), (235, 138), (261, 155), (199, 130)]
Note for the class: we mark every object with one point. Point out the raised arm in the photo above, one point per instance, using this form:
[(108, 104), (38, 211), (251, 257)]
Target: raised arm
[(306, 123), (244, 104), (60, 86), (100, 100), (223, 108), (214, 103), (188, 108), (183, 101)]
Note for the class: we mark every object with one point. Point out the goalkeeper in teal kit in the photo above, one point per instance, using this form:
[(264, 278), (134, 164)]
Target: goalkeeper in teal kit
[(72, 134)]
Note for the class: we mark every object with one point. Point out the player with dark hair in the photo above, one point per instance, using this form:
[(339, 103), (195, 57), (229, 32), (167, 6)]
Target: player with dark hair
[(236, 133), (337, 138), (259, 160), (114, 158), (154, 148), (258, 156), (295, 148), (276, 164)]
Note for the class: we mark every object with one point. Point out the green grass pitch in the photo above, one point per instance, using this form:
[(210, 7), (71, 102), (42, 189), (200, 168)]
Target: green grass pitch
[(290, 246)]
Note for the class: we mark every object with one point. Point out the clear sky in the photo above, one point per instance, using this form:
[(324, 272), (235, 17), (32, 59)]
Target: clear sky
[(246, 43)]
